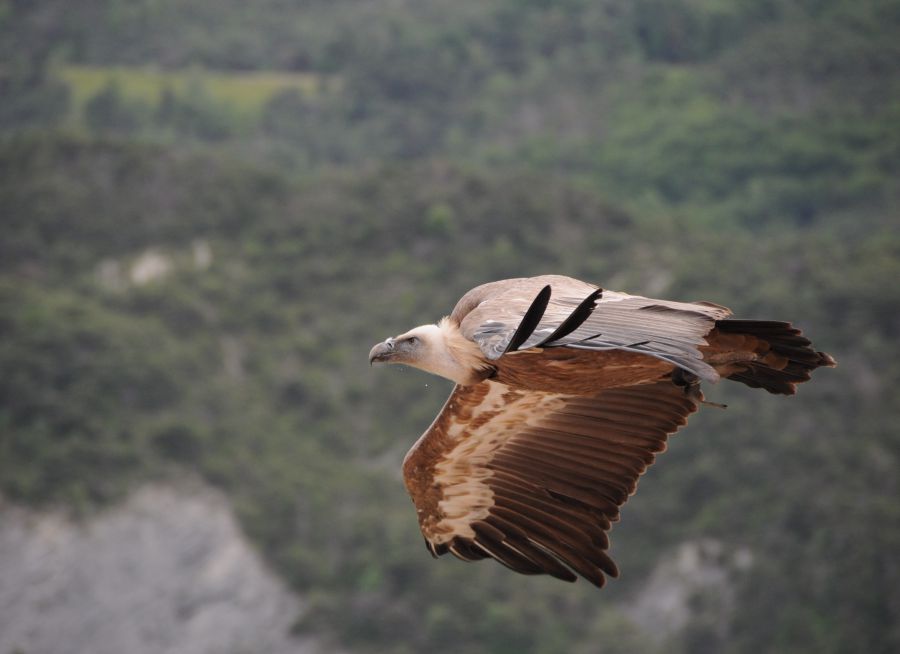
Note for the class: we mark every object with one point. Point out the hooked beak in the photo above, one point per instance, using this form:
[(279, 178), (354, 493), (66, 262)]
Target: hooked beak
[(382, 352)]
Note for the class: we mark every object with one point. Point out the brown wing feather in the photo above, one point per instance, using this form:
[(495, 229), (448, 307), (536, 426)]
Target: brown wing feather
[(534, 479)]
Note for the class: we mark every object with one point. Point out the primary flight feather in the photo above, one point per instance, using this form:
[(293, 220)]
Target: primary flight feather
[(564, 395)]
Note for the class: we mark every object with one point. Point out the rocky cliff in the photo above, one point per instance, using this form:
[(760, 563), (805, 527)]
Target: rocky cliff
[(166, 572)]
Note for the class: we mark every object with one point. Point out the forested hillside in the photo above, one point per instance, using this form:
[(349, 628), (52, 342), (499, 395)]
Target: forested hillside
[(211, 211)]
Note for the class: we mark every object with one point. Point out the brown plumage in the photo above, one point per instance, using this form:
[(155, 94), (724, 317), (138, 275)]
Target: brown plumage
[(565, 394)]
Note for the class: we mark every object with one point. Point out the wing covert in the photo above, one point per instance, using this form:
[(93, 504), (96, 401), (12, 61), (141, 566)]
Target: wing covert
[(535, 479), (582, 316)]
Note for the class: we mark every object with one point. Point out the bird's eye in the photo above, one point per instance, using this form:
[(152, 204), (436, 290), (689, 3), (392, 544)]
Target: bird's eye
[(413, 340)]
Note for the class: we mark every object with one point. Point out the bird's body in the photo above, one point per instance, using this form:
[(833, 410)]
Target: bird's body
[(565, 393)]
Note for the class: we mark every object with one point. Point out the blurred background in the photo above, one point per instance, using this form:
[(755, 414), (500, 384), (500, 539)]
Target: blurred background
[(212, 210)]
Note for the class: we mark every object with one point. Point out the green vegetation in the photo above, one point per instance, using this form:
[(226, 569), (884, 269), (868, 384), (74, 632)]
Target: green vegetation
[(192, 272)]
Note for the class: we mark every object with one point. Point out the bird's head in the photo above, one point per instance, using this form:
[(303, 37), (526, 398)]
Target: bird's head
[(414, 348), (431, 348)]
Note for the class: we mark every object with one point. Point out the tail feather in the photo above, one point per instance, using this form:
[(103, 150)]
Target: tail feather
[(786, 358)]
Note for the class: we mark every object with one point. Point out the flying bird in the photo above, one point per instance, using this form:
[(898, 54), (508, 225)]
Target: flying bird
[(565, 393)]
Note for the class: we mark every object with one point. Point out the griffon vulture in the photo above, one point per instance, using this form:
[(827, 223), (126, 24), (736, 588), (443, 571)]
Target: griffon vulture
[(564, 394)]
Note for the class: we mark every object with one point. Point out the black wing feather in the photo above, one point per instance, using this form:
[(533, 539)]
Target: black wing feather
[(575, 319), (530, 320)]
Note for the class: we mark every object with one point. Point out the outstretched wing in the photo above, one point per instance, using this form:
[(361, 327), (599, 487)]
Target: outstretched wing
[(534, 479), (556, 311)]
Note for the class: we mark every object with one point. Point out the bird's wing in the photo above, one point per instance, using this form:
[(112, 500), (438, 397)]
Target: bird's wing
[(534, 479), (553, 311)]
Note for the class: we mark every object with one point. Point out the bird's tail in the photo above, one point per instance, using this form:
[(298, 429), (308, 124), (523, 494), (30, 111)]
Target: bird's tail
[(781, 356)]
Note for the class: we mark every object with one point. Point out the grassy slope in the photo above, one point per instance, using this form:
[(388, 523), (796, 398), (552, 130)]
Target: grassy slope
[(245, 93)]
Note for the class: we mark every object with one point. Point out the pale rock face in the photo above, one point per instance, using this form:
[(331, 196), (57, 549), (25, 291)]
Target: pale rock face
[(202, 253), (701, 569), (166, 572), (148, 267)]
